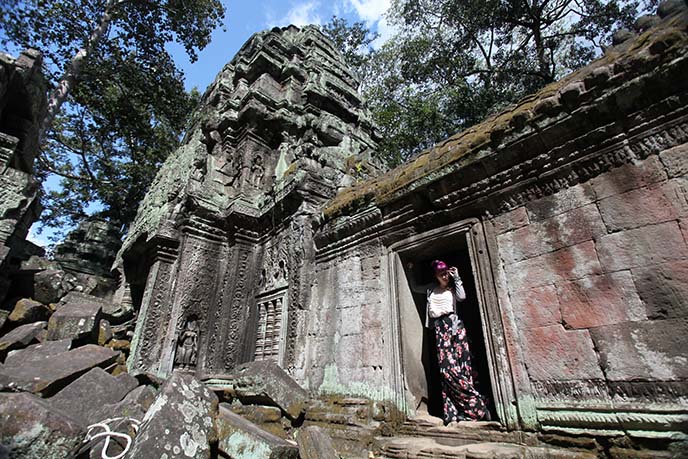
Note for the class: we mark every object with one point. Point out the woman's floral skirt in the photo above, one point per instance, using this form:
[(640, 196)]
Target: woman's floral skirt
[(460, 398)]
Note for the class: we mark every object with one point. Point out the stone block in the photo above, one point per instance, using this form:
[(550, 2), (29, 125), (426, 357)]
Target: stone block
[(76, 318), (57, 371), (600, 300), (565, 200), (563, 230), (664, 289), (510, 220), (51, 285), (644, 246), (241, 439), (570, 263), (258, 414), (264, 382), (373, 347), (27, 310), (36, 263), (83, 399), (644, 206), (676, 160), (629, 177), (21, 336), (134, 405), (179, 423), (348, 350), (3, 317), (31, 428), (554, 353), (36, 353), (104, 332), (314, 443), (350, 320), (536, 307), (651, 350)]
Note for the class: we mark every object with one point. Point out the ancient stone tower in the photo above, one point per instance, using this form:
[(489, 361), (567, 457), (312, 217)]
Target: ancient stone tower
[(216, 259)]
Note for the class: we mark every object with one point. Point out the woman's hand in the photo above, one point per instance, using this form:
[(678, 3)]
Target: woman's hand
[(453, 272)]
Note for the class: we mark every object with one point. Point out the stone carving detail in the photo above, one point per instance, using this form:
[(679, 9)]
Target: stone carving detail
[(580, 167), (213, 359), (270, 335), (275, 271), (232, 342), (187, 345), (547, 391), (257, 172), (157, 316)]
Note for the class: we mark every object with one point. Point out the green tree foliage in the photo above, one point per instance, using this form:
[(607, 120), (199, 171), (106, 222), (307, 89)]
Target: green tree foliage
[(353, 40), (126, 106), (453, 62)]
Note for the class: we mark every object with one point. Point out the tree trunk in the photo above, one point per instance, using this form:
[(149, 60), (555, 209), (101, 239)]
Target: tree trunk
[(64, 86)]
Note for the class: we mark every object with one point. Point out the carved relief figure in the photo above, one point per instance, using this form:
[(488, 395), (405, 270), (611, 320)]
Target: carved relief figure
[(257, 172), (187, 345), (286, 155), (275, 270), (232, 169)]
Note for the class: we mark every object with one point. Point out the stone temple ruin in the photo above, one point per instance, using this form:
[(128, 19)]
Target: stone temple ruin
[(268, 268)]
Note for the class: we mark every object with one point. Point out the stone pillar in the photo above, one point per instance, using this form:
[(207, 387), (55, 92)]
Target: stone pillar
[(241, 298), (196, 288), (154, 314)]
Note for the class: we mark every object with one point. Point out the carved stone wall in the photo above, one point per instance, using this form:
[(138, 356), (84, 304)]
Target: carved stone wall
[(580, 192), (279, 131)]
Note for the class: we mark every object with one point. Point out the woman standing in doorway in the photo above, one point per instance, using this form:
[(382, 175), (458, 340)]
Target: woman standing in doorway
[(461, 400)]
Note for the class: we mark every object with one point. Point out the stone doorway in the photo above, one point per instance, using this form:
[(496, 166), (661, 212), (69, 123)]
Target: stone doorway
[(462, 245)]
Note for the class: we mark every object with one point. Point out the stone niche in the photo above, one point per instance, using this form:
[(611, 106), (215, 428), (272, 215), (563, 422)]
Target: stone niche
[(569, 213), (219, 260)]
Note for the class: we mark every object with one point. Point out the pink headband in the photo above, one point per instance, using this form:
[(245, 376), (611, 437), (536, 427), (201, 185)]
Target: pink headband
[(438, 265)]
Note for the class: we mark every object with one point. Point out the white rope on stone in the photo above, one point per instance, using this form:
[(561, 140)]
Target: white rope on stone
[(108, 434)]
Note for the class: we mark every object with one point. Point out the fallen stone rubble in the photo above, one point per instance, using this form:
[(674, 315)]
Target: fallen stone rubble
[(65, 393)]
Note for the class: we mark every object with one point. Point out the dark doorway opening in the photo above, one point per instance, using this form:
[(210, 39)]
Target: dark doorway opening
[(454, 251)]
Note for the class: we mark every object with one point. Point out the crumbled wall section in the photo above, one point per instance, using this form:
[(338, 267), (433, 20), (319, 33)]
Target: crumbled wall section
[(22, 103)]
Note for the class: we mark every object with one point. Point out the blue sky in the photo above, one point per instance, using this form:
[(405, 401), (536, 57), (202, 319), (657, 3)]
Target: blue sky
[(243, 19)]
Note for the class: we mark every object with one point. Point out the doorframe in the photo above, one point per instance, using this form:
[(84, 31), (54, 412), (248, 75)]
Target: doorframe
[(500, 372)]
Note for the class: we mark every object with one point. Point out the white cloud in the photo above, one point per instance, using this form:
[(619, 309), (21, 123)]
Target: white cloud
[(300, 15), (374, 14), (371, 10)]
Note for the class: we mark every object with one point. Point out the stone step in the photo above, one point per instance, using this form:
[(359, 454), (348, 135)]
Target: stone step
[(464, 432), (429, 448)]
